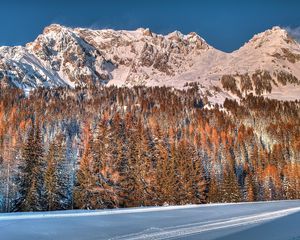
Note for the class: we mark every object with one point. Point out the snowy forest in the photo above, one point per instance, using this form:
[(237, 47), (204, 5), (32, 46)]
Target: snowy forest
[(109, 147)]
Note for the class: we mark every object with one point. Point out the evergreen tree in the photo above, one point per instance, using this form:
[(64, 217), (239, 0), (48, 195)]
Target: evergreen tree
[(250, 188), (103, 166), (214, 194), (230, 190), (199, 181), (132, 186), (85, 181), (57, 176), (32, 172), (171, 180), (185, 191)]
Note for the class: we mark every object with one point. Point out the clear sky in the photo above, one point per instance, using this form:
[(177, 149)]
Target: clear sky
[(225, 24)]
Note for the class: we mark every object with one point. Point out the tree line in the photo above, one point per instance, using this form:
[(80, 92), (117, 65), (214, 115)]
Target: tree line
[(107, 147)]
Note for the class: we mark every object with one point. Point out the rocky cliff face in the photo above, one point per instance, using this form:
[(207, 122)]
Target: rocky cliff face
[(269, 64)]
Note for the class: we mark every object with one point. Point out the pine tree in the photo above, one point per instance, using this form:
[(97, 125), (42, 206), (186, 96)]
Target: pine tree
[(199, 181), (214, 194), (230, 190), (57, 176), (185, 189), (26, 174), (250, 190), (171, 180), (85, 182), (132, 186), (32, 201), (32, 172), (160, 159), (103, 166), (51, 179)]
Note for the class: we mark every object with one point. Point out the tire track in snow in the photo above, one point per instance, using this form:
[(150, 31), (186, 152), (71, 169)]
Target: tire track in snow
[(191, 229)]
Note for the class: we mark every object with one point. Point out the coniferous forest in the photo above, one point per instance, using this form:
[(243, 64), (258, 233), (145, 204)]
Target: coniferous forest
[(108, 147)]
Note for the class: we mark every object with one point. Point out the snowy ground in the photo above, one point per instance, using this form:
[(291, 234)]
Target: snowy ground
[(262, 220)]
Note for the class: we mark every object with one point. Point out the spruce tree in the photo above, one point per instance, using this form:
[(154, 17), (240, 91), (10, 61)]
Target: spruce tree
[(85, 181), (103, 166), (172, 177), (199, 181), (32, 172), (250, 188), (132, 184), (214, 194), (57, 176), (230, 190)]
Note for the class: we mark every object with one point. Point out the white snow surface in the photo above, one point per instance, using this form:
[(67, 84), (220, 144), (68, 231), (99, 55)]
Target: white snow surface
[(63, 56), (260, 220)]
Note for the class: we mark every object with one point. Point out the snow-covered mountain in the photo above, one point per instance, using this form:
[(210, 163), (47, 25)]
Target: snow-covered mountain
[(269, 64)]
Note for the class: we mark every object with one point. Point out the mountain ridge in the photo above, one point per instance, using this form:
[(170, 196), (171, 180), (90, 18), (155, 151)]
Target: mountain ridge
[(268, 64)]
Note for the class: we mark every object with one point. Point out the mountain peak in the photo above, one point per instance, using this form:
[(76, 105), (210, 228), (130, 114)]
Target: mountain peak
[(270, 35), (176, 35), (270, 40), (54, 28), (145, 31), (277, 28)]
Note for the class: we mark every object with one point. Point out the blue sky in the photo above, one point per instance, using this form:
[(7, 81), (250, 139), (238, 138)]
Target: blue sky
[(224, 24)]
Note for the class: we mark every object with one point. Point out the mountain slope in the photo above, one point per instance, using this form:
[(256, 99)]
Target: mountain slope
[(269, 64)]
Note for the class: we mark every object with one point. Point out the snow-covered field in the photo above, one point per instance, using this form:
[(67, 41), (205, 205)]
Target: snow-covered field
[(261, 220)]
